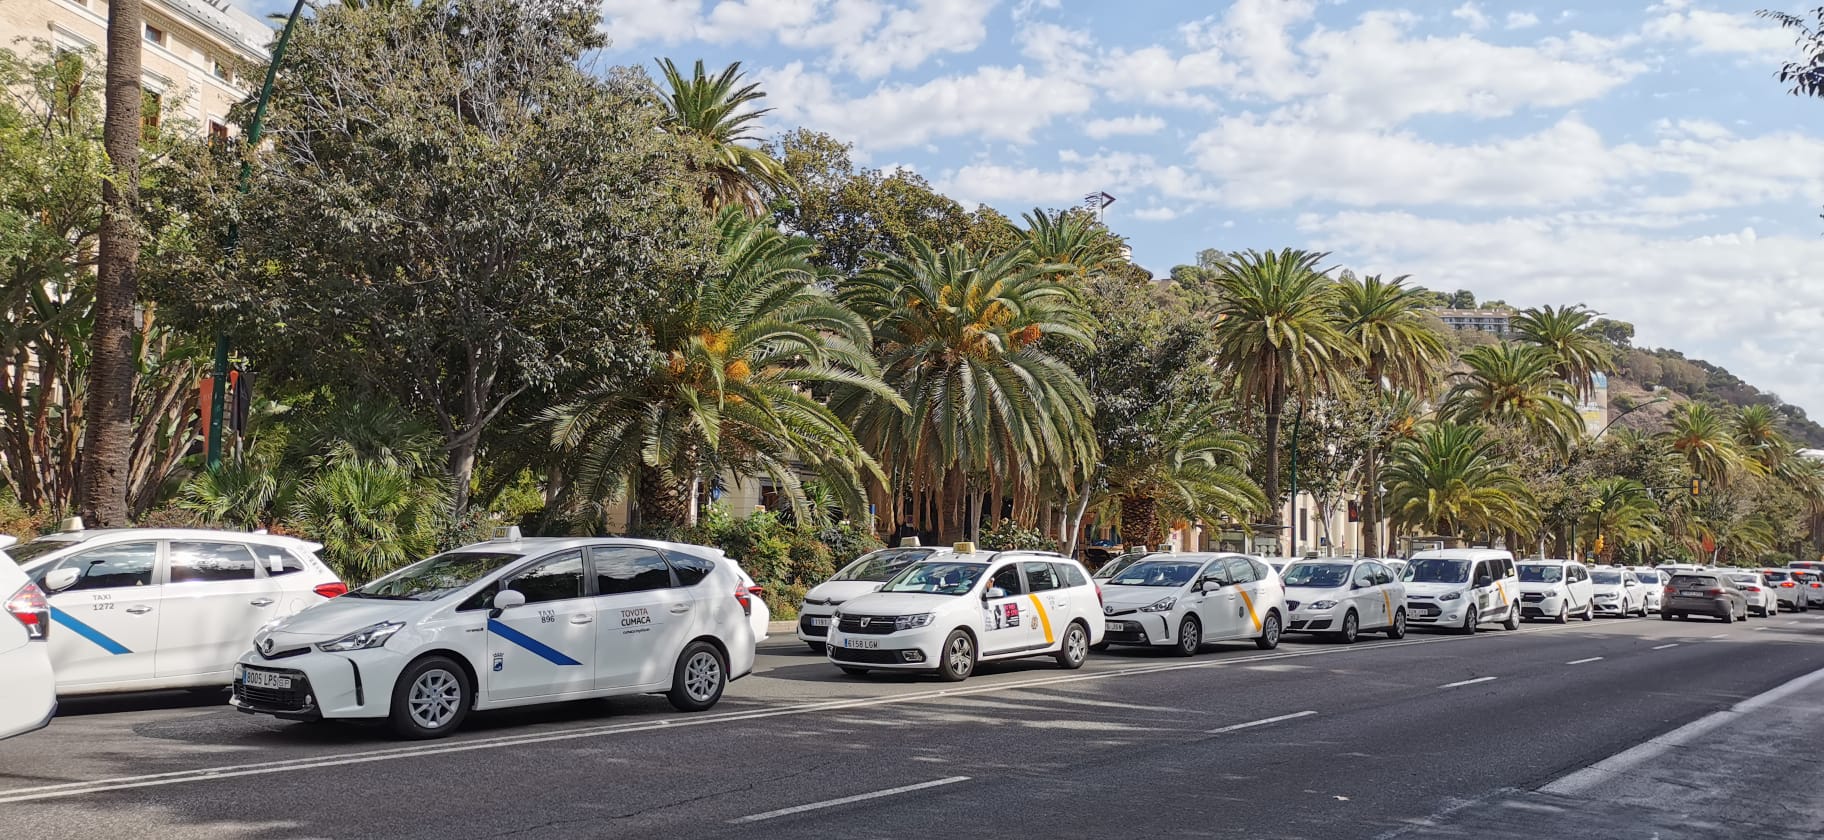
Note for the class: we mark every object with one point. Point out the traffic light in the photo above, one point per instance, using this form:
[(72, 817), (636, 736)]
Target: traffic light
[(1697, 486), (1599, 544)]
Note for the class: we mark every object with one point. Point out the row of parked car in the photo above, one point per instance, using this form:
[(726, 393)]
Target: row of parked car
[(516, 621)]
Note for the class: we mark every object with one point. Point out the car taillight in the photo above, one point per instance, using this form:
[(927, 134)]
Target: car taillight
[(744, 597), (32, 610), (1713, 592), (1786, 584), (1098, 595), (331, 590), (1752, 588)]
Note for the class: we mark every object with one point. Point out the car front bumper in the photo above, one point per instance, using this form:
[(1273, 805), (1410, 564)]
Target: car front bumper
[(808, 628), (1436, 613), (905, 650), (1614, 607), (1315, 621), (356, 684), (1138, 628), (1546, 607)]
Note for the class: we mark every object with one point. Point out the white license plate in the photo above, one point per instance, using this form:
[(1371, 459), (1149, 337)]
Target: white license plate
[(861, 644), (262, 679), (817, 621), (1689, 594)]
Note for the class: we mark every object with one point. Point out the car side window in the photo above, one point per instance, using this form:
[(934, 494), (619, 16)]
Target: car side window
[(690, 569), (112, 566), (1219, 569), (209, 562), (1008, 578), (1382, 574), (275, 561), (622, 569), (1072, 575), (557, 578), (1241, 571), (1483, 569), (1040, 577)]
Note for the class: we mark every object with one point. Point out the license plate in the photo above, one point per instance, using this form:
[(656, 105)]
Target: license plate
[(1689, 594), (863, 644), (817, 621), (263, 679)]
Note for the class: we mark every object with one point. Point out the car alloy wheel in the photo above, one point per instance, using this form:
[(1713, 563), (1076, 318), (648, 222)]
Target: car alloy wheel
[(1190, 636), (1352, 627), (702, 676), (958, 657), (1075, 650), (435, 696), (1269, 632)]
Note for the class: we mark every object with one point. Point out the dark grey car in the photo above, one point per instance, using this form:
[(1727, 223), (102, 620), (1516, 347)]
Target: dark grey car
[(1710, 594)]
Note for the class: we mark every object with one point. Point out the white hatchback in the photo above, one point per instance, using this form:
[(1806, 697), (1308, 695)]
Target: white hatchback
[(859, 578), (154, 608), (1654, 581), (1343, 597), (510, 622), (28, 695), (1556, 589), (948, 613), (1185, 601), (1617, 591)]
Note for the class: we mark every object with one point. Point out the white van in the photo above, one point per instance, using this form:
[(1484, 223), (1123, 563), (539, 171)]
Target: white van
[(1462, 588), (1556, 589)]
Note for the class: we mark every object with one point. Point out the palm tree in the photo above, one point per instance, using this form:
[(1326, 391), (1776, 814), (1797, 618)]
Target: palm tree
[(1757, 430), (1703, 438), (370, 518), (1278, 333), (1569, 334), (1620, 511), (708, 109), (1191, 471), (741, 359), (1070, 240), (1399, 351), (1516, 386), (960, 338), (1448, 478)]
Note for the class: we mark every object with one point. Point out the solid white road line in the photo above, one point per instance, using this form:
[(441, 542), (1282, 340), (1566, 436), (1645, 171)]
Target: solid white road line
[(1467, 682), (860, 797), (1584, 661), (1663, 647), (80, 788), (1624, 762), (1262, 722)]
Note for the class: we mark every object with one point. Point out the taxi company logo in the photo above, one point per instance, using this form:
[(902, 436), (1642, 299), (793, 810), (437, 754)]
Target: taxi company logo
[(635, 617)]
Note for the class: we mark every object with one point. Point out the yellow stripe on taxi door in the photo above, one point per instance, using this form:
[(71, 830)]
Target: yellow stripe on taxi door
[(1250, 602), (1044, 620)]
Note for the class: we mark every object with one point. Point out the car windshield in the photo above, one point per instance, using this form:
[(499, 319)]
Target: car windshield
[(1157, 573), (1647, 577), (435, 578), (882, 565), (1438, 570), (25, 553), (1114, 567), (1606, 578), (1693, 581), (1540, 573), (1317, 575), (938, 578), (1748, 579)]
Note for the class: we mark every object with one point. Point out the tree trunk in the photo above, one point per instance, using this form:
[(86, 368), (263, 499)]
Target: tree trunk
[(462, 473), (108, 434), (1371, 499), (1140, 521), (1275, 405), (663, 500)]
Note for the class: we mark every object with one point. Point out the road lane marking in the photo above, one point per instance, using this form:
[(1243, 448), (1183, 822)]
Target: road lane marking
[(1462, 683), (79, 788), (1759, 629), (1584, 661), (1720, 636), (1262, 722), (1663, 647), (860, 797)]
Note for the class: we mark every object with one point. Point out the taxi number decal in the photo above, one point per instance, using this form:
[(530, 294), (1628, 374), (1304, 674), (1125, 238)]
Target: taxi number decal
[(547, 616)]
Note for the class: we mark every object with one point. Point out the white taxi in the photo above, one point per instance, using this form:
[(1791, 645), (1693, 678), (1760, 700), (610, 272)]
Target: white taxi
[(28, 695), (1462, 588), (1185, 601), (950, 612), (859, 578), (1343, 597), (1556, 589), (509, 622), (155, 608)]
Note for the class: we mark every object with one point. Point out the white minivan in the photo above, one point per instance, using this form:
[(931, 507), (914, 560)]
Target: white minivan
[(1556, 589), (28, 694), (1462, 588)]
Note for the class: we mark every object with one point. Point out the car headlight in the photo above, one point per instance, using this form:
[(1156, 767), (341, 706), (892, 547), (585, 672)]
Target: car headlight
[(1161, 605), (909, 622), (371, 636), (1450, 596), (1322, 605)]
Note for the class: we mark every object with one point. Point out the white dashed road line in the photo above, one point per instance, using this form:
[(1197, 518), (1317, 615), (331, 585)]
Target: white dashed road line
[(1584, 661), (860, 797), (1462, 683), (1262, 722), (1663, 647)]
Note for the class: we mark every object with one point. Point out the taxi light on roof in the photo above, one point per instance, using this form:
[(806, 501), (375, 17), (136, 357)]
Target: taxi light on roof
[(965, 548), (908, 542), (509, 533), (73, 523)]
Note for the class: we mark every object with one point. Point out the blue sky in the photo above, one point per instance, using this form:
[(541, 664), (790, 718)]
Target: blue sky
[(1638, 158)]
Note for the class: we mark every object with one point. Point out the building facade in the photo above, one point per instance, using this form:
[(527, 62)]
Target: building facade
[(194, 57), (1492, 321)]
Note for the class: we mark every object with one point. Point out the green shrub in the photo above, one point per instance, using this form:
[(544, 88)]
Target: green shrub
[(1007, 534), (783, 600)]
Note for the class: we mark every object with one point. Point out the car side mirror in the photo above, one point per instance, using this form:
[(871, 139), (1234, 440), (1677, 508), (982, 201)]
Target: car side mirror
[(507, 599), (1485, 581), (61, 579), (993, 592), (1363, 583)]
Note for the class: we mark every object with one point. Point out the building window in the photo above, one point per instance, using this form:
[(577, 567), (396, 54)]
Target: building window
[(155, 35), (222, 70), (149, 104), (218, 134)]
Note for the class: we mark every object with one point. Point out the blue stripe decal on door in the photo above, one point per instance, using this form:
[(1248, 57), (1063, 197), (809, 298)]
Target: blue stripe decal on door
[(88, 632), (547, 652)]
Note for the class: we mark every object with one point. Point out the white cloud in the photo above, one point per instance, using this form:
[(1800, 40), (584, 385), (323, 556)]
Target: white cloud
[(993, 103), (1136, 124), (1156, 214), (1471, 14), (1719, 32), (1521, 20)]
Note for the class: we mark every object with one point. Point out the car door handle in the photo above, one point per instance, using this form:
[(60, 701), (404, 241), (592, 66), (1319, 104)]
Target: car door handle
[(680, 609), (261, 602), (140, 609), (581, 619)]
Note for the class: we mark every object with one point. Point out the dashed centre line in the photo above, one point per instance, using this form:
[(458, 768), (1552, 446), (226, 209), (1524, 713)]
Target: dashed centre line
[(846, 800), (1663, 647), (1584, 661), (1262, 722), (1461, 683)]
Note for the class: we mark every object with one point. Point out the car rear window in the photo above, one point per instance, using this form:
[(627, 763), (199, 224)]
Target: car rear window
[(1776, 576), (1693, 581)]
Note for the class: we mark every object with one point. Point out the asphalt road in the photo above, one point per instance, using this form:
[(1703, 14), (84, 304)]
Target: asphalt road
[(1319, 740)]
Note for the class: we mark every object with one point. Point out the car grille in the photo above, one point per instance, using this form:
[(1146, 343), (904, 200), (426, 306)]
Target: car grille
[(1136, 636), (1117, 611), (282, 654), (807, 628), (866, 657), (1533, 596), (867, 625), (1427, 610), (1320, 624), (1292, 606), (297, 698)]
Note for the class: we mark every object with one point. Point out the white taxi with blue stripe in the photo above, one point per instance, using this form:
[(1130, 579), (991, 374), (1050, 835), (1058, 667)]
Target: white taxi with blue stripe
[(949, 612), (509, 622)]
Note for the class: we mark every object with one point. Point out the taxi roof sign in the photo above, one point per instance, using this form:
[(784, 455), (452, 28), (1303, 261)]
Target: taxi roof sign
[(510, 533), (965, 548)]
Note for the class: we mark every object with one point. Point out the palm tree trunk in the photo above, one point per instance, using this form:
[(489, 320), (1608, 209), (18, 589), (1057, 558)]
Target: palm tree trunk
[(1276, 404), (1140, 520), (662, 499), (1371, 498), (108, 434)]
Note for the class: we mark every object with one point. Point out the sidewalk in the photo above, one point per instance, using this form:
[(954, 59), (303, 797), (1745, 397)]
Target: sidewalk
[(1749, 771)]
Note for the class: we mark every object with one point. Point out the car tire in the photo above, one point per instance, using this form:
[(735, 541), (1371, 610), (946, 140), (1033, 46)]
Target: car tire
[(1397, 630), (1665, 616), (1190, 637), (699, 679), (1564, 617), (1075, 649), (1513, 618), (853, 671), (1469, 622), (1728, 616), (818, 648), (430, 699), (1589, 611), (1352, 628), (1269, 632), (959, 657)]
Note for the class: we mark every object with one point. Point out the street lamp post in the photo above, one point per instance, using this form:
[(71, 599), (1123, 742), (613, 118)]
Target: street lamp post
[(1654, 401)]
